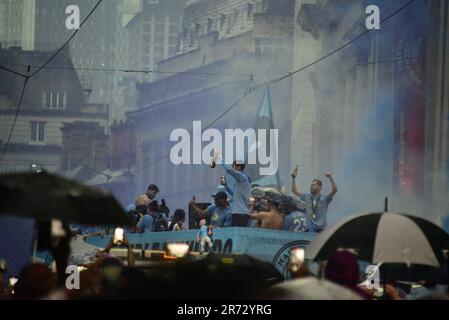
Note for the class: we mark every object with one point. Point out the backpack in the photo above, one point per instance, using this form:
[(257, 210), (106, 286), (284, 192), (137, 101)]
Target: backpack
[(159, 223)]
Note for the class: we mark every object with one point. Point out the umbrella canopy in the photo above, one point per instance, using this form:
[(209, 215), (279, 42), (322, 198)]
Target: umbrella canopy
[(214, 276), (229, 263), (311, 288), (45, 196), (384, 238)]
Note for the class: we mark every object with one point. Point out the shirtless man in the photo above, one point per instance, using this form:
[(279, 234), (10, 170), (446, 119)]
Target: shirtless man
[(268, 219)]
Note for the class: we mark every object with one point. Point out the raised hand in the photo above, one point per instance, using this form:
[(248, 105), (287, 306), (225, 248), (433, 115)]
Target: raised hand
[(223, 181), (252, 201), (295, 172)]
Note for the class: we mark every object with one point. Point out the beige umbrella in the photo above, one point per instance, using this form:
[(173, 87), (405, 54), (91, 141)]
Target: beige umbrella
[(311, 288), (388, 238)]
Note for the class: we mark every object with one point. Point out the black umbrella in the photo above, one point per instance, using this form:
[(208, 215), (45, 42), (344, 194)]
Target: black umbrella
[(214, 276), (45, 196), (384, 238)]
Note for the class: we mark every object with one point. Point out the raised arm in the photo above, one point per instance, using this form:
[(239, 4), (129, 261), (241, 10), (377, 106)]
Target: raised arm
[(198, 211), (131, 262), (228, 190), (251, 213), (259, 216), (251, 207), (333, 184), (239, 176), (294, 188)]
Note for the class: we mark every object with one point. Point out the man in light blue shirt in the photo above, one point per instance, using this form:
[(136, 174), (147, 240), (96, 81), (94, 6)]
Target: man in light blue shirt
[(241, 192), (217, 215), (316, 203), (296, 221)]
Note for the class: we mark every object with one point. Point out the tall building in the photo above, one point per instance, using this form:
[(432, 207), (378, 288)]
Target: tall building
[(147, 32), (17, 21), (40, 25), (124, 93), (94, 47), (33, 24), (153, 34), (376, 111)]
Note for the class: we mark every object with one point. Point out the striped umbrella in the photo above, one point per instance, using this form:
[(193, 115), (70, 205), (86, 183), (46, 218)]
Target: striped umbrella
[(384, 238)]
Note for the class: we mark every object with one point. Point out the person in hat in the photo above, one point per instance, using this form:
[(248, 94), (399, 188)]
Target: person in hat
[(218, 215)]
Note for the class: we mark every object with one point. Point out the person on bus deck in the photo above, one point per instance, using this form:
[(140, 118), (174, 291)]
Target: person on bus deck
[(241, 190), (151, 193), (153, 220), (217, 215), (178, 220), (316, 204), (160, 220), (271, 219), (296, 221), (140, 206)]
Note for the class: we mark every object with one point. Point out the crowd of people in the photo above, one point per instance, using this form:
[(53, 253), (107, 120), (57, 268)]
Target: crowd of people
[(237, 203), (110, 278), (341, 278)]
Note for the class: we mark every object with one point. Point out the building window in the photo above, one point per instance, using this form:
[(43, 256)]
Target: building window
[(209, 25), (249, 10), (197, 29), (54, 100), (192, 38), (235, 18), (222, 21), (185, 34), (37, 131)]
